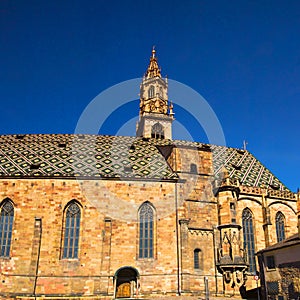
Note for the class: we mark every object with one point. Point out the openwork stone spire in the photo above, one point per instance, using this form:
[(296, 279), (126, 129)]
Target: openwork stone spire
[(153, 68)]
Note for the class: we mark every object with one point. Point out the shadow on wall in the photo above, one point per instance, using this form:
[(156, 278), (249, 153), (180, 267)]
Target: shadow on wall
[(294, 291), (250, 294)]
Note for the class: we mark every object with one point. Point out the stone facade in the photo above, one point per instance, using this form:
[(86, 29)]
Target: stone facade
[(187, 216), (103, 217), (108, 240)]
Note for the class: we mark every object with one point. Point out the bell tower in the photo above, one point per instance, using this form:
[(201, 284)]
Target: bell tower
[(156, 113)]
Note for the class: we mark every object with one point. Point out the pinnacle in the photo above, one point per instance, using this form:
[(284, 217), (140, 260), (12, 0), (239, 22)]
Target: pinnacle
[(153, 68)]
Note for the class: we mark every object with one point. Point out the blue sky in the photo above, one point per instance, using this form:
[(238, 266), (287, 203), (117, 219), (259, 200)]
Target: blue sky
[(242, 56)]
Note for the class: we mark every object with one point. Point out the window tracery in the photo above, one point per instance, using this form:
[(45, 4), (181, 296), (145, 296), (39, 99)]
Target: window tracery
[(248, 233), (157, 131), (71, 230), (151, 91), (146, 231), (280, 226), (6, 224)]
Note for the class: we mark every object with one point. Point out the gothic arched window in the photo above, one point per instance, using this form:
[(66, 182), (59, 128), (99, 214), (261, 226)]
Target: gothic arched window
[(6, 224), (146, 231), (248, 234), (280, 222), (197, 259), (71, 230), (157, 131), (151, 91), (161, 92)]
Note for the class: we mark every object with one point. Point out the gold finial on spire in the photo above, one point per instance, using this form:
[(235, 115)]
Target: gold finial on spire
[(153, 51), (153, 68)]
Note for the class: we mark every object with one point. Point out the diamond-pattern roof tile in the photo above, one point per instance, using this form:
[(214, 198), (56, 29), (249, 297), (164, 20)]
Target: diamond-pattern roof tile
[(67, 155), (64, 155)]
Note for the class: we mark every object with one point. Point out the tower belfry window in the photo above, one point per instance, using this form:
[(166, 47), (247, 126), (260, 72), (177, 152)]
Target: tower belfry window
[(157, 131), (151, 91), (161, 92)]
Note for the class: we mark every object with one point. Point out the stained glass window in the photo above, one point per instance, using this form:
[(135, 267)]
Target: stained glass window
[(6, 224), (71, 232), (146, 229), (248, 234), (280, 232)]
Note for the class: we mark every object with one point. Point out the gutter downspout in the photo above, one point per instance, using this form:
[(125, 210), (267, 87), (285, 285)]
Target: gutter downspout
[(177, 243), (215, 260), (109, 263), (38, 227)]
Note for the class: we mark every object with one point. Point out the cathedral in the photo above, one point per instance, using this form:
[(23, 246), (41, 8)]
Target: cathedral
[(108, 217)]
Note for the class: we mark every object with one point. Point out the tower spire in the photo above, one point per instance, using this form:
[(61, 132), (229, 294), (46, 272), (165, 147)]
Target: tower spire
[(156, 114), (153, 69)]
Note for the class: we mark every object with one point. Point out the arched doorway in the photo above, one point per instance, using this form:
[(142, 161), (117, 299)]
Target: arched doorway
[(126, 282)]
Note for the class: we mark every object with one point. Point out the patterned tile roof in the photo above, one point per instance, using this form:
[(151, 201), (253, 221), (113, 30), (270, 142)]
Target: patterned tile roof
[(66, 155), (58, 155), (241, 165)]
